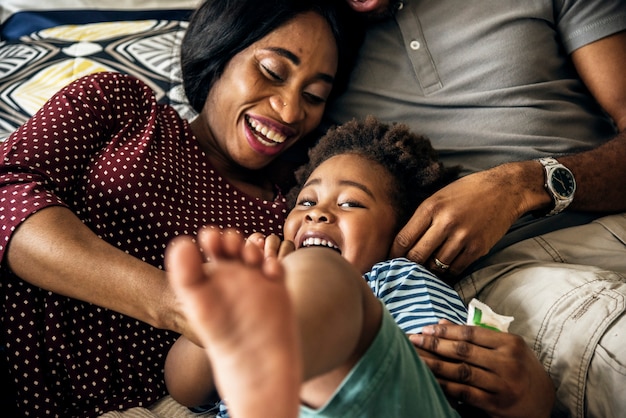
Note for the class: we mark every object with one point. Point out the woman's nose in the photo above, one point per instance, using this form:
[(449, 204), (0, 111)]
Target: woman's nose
[(288, 106)]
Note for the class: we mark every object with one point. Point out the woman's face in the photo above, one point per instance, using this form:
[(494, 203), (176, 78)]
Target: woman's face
[(270, 95)]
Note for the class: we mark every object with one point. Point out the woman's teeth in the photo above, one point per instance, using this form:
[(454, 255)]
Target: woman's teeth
[(267, 132)]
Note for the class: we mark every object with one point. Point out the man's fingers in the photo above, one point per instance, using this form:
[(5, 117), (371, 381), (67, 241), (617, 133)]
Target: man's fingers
[(459, 350), (409, 235), (463, 374), (466, 394), (473, 334)]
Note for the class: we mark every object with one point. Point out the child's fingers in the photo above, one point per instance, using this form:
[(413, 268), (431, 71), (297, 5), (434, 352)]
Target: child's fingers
[(286, 247), (272, 245)]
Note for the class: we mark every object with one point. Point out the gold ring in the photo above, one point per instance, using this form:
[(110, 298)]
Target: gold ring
[(442, 266)]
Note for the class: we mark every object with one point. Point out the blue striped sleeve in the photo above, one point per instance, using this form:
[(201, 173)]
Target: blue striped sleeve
[(414, 296)]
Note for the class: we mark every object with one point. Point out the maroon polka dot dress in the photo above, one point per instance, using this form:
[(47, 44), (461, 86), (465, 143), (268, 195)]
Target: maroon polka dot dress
[(133, 172)]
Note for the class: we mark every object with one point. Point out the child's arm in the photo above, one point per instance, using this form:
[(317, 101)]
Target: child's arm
[(188, 374)]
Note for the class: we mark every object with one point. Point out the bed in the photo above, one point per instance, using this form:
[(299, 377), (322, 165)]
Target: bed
[(47, 44), (44, 45)]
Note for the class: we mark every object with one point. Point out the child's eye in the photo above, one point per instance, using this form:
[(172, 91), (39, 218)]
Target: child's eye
[(351, 204), (306, 202)]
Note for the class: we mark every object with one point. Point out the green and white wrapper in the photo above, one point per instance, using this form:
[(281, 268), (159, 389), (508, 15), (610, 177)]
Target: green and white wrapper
[(482, 315)]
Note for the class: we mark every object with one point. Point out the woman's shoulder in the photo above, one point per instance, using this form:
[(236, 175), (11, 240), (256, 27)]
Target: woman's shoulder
[(111, 93), (110, 77), (112, 84)]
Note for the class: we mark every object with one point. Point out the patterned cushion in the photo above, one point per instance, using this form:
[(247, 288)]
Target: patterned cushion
[(36, 66), (9, 8)]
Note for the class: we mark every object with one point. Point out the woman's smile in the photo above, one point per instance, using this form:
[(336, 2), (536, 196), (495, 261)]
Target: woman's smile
[(266, 136)]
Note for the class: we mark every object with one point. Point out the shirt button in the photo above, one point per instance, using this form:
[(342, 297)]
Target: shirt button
[(415, 45)]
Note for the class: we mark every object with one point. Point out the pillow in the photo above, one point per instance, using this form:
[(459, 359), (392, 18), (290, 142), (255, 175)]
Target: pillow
[(37, 65), (10, 7)]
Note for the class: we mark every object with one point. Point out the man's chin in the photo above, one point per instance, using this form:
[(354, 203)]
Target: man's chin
[(373, 9)]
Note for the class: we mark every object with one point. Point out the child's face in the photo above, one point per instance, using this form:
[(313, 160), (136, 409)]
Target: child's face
[(345, 205)]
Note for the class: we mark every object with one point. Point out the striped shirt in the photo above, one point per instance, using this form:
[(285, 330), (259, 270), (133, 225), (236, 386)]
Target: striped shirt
[(414, 296)]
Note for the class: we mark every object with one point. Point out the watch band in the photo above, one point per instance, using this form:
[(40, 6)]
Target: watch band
[(557, 172)]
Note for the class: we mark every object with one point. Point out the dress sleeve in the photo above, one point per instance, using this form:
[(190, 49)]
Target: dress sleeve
[(44, 161)]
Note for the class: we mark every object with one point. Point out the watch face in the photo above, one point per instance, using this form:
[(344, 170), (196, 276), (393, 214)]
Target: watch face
[(562, 182)]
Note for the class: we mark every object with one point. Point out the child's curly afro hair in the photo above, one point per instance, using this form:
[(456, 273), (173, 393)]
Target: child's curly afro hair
[(410, 159)]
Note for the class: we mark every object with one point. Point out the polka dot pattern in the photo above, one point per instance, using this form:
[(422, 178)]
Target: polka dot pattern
[(133, 172)]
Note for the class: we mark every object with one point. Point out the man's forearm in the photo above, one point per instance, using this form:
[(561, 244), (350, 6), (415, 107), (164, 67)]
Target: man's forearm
[(600, 177)]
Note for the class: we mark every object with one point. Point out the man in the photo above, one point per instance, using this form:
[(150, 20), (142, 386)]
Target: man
[(522, 95)]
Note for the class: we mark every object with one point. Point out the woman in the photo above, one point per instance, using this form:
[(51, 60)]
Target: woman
[(101, 178)]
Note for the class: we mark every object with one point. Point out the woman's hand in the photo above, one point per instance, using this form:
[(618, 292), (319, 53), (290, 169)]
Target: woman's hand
[(490, 370)]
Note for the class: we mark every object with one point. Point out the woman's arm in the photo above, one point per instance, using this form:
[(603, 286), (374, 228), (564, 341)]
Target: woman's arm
[(52, 163), (54, 250)]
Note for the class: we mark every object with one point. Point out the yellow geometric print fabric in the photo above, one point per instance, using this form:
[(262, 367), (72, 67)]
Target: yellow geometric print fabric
[(33, 93), (40, 64), (97, 31)]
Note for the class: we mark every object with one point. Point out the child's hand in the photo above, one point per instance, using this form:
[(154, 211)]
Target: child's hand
[(271, 245)]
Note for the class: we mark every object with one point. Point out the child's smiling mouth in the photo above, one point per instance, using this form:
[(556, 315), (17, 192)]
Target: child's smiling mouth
[(319, 242)]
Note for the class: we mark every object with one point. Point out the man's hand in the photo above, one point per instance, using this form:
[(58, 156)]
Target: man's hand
[(490, 370), (461, 222)]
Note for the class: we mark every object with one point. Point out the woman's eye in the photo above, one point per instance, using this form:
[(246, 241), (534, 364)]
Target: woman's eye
[(271, 73), (314, 99)]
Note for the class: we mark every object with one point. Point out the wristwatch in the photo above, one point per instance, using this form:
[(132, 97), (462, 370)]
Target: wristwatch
[(559, 183)]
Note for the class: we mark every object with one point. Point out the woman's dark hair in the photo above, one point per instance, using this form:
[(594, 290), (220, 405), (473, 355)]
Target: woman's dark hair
[(409, 158), (220, 29)]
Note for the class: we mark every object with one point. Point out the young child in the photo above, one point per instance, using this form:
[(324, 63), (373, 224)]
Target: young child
[(306, 335)]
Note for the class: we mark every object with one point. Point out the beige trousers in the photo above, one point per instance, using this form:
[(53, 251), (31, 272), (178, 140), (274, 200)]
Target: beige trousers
[(567, 292)]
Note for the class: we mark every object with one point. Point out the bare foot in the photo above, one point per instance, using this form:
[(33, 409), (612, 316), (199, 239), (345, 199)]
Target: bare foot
[(238, 306)]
